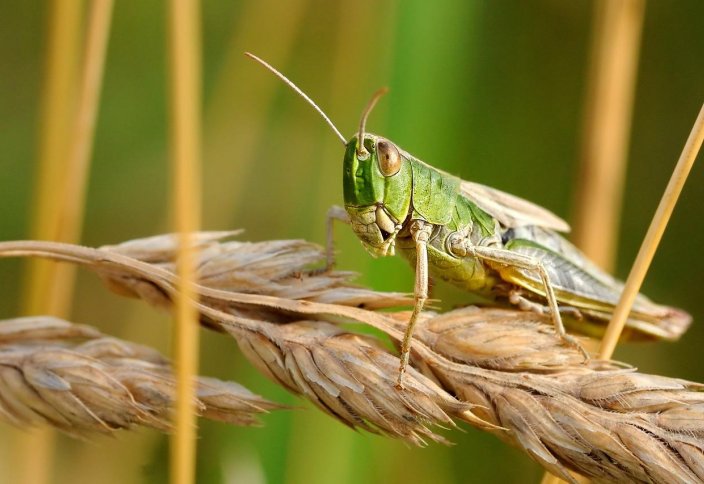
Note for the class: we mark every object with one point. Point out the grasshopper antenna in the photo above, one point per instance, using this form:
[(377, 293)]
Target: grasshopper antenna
[(362, 152), (300, 93)]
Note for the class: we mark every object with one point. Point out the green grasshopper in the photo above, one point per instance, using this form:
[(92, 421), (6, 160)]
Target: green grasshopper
[(475, 237)]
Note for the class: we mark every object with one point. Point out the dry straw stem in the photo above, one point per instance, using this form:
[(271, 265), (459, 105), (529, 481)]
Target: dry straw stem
[(500, 370), (607, 119), (70, 221), (653, 236), (40, 290), (68, 124), (82, 382), (185, 72)]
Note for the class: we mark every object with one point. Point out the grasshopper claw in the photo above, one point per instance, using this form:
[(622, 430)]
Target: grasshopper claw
[(574, 342)]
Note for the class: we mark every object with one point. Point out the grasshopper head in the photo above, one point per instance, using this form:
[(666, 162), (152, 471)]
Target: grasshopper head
[(377, 184)]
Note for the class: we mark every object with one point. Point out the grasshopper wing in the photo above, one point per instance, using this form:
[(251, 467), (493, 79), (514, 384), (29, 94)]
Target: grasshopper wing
[(580, 284), (509, 210)]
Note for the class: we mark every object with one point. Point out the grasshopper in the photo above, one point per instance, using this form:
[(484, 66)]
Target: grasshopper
[(475, 237)]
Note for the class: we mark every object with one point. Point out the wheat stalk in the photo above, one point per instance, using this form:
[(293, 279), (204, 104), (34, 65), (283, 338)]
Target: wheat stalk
[(501, 370), (80, 381)]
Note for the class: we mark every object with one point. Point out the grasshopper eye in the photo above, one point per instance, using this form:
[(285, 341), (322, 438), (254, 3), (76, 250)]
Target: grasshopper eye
[(389, 158)]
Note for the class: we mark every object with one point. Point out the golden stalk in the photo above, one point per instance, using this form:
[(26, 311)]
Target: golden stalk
[(184, 42), (61, 206), (77, 167), (57, 108), (65, 150), (653, 237), (609, 105)]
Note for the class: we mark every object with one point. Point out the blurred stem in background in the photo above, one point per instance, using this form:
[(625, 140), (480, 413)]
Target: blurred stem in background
[(185, 134), (68, 126), (606, 132), (41, 293)]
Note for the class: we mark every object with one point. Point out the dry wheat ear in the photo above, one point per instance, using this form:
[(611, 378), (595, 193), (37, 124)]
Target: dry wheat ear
[(500, 370)]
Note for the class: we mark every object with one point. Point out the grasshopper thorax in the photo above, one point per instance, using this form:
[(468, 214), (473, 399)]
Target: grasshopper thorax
[(377, 190)]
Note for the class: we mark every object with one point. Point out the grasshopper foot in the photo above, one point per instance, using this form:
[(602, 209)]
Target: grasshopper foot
[(327, 269), (402, 372), (574, 342)]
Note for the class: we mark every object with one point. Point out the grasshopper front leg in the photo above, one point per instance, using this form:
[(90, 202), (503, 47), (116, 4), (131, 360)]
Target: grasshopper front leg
[(508, 258), (420, 232)]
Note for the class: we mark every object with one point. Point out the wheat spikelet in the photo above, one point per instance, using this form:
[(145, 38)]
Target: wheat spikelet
[(601, 419), (281, 268), (501, 370), (351, 377), (76, 379)]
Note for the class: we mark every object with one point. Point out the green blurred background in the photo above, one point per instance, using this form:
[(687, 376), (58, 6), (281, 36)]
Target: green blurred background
[(492, 91)]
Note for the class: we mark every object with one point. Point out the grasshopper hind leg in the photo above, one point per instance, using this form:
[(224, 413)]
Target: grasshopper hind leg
[(506, 258)]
